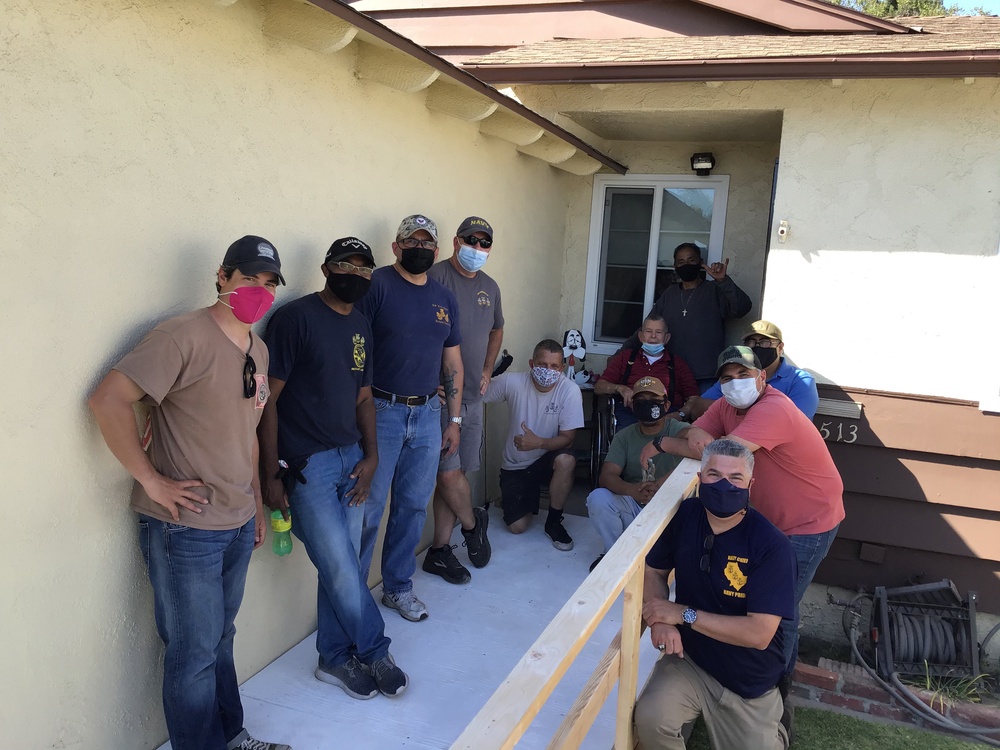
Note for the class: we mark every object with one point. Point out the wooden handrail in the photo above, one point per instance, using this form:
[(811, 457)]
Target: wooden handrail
[(510, 710)]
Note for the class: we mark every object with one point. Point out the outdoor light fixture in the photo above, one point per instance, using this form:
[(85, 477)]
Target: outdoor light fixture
[(702, 164)]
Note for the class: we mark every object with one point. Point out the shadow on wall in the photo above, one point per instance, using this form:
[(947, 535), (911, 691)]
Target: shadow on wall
[(920, 477)]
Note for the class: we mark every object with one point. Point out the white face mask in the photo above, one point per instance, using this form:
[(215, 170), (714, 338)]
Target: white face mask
[(741, 393)]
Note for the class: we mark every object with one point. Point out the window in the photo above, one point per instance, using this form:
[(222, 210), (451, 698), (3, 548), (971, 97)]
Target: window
[(636, 223)]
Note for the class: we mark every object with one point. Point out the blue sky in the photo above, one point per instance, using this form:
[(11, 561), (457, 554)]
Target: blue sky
[(991, 6)]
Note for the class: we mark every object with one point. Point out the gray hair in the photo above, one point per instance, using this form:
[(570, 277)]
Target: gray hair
[(727, 447)]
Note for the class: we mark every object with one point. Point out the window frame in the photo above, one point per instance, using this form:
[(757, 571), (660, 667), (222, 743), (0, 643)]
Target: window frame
[(658, 183)]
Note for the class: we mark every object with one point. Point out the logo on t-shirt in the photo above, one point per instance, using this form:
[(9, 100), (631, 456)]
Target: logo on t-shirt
[(262, 391), (552, 408), (359, 353), (483, 298), (442, 315), (736, 577)]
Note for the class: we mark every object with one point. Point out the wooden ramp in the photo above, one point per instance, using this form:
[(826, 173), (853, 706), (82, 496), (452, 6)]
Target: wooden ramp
[(456, 658)]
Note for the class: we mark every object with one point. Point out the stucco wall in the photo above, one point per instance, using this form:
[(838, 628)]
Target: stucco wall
[(890, 274), (139, 140)]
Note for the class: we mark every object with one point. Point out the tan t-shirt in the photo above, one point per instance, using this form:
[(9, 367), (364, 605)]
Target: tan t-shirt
[(202, 425)]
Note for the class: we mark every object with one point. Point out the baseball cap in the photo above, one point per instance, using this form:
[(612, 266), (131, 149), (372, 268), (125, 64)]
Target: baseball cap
[(649, 384), (474, 224), (345, 247), (252, 255), (738, 355), (764, 328), (413, 224)]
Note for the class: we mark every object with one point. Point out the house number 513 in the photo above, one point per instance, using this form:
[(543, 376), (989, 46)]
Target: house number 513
[(852, 432)]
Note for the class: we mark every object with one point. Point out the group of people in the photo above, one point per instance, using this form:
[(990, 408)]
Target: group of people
[(730, 637), (370, 392)]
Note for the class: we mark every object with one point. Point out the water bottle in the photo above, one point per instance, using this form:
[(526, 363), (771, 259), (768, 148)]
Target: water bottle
[(281, 541)]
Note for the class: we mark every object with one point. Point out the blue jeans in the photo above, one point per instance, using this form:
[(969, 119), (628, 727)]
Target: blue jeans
[(409, 449), (198, 578), (611, 514), (809, 549), (349, 621)]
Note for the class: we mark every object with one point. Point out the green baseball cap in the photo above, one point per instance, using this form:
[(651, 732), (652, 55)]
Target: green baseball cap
[(737, 355)]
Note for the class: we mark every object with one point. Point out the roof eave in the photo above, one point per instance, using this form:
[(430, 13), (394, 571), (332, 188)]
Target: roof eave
[(827, 8)]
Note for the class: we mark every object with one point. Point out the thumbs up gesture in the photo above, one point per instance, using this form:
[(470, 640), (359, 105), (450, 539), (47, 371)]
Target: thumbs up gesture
[(528, 441)]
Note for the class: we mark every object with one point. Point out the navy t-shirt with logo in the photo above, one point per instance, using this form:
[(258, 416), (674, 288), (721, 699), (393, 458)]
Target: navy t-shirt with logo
[(325, 359), (751, 569), (411, 324)]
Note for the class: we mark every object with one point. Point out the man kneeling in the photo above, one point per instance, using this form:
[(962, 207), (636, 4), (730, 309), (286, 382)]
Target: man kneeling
[(735, 576)]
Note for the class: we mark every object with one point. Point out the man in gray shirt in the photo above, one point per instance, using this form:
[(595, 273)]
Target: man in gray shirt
[(481, 324)]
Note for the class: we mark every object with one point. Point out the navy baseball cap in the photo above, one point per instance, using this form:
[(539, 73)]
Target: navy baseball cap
[(252, 255)]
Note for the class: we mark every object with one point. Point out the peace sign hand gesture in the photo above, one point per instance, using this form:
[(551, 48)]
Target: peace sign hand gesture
[(717, 270)]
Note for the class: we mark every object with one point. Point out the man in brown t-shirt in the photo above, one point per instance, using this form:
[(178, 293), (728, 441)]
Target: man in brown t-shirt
[(203, 376)]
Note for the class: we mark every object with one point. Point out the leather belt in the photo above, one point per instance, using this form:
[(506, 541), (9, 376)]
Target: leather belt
[(407, 400)]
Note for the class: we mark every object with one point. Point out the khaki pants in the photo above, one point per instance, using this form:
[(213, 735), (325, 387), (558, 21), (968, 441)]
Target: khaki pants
[(679, 691)]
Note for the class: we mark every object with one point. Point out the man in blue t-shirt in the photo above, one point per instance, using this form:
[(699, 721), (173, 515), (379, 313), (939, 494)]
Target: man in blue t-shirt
[(321, 406), (767, 343), (735, 580), (415, 326)]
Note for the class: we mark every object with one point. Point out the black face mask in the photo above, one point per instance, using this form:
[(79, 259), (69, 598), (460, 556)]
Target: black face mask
[(348, 287), (688, 272), (648, 411), (416, 260), (767, 356)]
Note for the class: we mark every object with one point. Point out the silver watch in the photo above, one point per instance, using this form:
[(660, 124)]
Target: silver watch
[(456, 420)]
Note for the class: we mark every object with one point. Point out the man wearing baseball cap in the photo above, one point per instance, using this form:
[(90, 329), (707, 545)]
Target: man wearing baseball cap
[(415, 324), (478, 298), (798, 487), (767, 343), (313, 463), (197, 490), (626, 483)]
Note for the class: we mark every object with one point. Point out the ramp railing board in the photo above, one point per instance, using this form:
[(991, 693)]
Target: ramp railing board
[(510, 710)]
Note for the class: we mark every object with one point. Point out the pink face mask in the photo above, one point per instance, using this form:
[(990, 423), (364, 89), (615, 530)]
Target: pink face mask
[(249, 303)]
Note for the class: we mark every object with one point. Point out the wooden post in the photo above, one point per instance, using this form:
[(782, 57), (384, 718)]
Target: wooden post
[(629, 665)]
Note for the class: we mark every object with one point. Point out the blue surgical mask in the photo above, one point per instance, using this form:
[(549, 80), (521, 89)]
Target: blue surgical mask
[(471, 259), (653, 350), (544, 376), (723, 498)]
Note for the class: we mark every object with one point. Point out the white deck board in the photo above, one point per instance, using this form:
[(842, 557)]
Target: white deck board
[(455, 659)]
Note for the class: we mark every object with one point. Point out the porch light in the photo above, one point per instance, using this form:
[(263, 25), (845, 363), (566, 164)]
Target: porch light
[(702, 164)]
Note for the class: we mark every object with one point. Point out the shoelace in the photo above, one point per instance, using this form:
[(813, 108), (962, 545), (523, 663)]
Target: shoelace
[(251, 744), (381, 668)]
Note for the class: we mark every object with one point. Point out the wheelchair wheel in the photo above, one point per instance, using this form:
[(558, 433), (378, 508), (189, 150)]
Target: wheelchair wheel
[(603, 425)]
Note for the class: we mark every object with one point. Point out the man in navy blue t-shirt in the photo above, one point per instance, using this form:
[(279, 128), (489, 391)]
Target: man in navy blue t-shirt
[(735, 579), (414, 322), (321, 406)]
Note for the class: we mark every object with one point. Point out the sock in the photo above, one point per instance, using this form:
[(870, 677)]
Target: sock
[(555, 516)]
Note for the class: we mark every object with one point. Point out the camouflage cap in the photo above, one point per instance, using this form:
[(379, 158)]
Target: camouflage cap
[(737, 355), (764, 328), (413, 224), (649, 384)]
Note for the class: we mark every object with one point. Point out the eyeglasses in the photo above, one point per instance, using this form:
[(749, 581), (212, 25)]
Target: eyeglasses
[(346, 267), (409, 243), (249, 382), (484, 242), (762, 343), (706, 559)]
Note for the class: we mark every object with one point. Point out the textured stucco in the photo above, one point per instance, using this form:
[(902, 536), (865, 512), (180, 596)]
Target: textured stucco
[(892, 192), (140, 139)]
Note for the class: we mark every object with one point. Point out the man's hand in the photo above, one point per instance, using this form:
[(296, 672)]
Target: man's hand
[(717, 270), (441, 397), (260, 527), (662, 611), (529, 441), (667, 639), (626, 394), (364, 472), (698, 439), (174, 494), (484, 382), (648, 452), (450, 439), (275, 496), (644, 492)]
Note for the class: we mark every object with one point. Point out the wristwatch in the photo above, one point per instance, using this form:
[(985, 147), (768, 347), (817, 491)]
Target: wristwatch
[(656, 444), (456, 420), (690, 616)]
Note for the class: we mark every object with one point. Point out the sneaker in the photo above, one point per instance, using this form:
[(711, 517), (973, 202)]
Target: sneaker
[(351, 676), (561, 540), (441, 561), (391, 680), (407, 604), (251, 744), (476, 541), (596, 562)]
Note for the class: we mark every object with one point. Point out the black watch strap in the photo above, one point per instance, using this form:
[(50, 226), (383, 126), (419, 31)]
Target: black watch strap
[(656, 444)]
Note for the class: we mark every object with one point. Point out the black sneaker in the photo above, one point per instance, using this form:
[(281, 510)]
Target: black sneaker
[(561, 540), (391, 680), (476, 541), (596, 562), (441, 561), (351, 676)]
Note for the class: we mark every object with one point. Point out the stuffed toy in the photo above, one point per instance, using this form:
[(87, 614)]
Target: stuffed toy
[(574, 352)]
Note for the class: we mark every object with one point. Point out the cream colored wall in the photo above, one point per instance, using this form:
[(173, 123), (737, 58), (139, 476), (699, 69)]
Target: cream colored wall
[(139, 140), (890, 274)]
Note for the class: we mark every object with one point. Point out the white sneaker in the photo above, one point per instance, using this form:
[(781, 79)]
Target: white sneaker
[(407, 604)]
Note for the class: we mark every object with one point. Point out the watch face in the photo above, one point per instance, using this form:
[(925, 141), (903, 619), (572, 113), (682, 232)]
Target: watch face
[(690, 616)]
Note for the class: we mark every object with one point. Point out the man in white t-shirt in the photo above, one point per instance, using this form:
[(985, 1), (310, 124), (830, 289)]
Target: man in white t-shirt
[(546, 409)]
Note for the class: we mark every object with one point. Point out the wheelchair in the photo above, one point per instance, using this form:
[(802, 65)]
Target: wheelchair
[(603, 424)]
